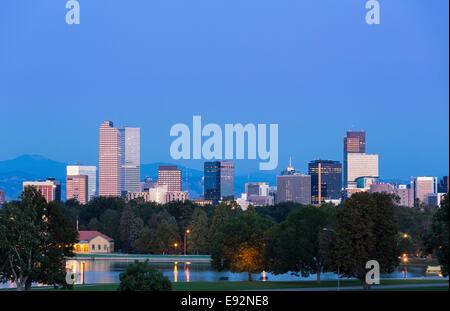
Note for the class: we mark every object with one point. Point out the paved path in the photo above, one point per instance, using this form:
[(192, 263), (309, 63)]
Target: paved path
[(353, 287)]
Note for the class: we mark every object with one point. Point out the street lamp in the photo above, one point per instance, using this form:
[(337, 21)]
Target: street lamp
[(185, 234), (334, 232)]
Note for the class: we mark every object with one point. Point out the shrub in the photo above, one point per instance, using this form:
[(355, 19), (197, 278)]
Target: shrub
[(140, 276)]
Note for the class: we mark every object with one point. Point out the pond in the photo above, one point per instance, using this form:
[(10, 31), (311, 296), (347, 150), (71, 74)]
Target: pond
[(108, 271)]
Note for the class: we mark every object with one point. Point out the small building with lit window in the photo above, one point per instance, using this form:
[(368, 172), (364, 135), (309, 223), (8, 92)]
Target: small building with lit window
[(93, 242)]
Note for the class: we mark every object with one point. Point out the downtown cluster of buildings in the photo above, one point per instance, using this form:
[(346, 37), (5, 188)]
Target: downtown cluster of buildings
[(327, 181)]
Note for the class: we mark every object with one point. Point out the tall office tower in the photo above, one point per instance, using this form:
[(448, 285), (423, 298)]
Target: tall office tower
[(360, 165), (130, 140), (50, 188), (443, 185), (109, 161), (2, 197), (326, 180), (170, 175), (90, 172), (218, 181), (423, 186), (257, 189), (293, 187), (354, 142), (77, 188)]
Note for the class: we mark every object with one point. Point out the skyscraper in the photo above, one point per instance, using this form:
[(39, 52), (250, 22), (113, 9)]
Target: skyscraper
[(50, 188), (360, 165), (423, 186), (109, 161), (131, 159), (218, 181), (354, 142), (90, 172), (170, 175), (443, 185), (77, 188), (326, 180), (293, 187)]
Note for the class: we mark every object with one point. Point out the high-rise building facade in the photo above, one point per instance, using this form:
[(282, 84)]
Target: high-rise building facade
[(443, 185), (294, 188), (404, 193), (170, 175), (326, 180), (90, 172), (50, 188), (257, 189), (109, 161), (130, 140), (423, 186), (360, 165), (77, 188), (354, 142), (218, 181)]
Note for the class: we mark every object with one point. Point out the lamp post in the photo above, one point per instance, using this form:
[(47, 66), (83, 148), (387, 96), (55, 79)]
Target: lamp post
[(334, 232), (185, 234), (176, 246)]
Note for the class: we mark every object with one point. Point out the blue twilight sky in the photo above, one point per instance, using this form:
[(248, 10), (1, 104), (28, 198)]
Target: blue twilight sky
[(312, 66)]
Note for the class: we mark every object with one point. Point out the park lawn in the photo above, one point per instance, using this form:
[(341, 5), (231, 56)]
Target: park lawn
[(226, 286), (255, 285), (413, 289)]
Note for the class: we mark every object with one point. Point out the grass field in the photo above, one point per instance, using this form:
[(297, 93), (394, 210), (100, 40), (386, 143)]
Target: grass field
[(229, 286)]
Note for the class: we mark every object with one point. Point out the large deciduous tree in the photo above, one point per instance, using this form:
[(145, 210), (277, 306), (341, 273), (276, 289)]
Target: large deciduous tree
[(294, 244), (366, 230), (437, 239), (35, 239), (198, 237), (240, 244)]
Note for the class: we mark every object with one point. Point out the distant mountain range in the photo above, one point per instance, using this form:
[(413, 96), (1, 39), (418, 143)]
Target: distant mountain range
[(35, 167)]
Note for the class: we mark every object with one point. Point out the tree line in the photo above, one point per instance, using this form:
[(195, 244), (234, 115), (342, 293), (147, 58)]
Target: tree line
[(287, 237)]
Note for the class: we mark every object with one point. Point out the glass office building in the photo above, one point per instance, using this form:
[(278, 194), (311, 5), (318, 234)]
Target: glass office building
[(131, 161), (326, 180), (218, 181)]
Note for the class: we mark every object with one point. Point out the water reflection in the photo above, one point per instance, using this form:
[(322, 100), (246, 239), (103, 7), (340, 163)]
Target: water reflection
[(108, 271), (175, 272)]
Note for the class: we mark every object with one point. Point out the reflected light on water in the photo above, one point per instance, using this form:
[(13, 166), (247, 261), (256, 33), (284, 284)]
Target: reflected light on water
[(264, 276), (186, 272), (175, 272)]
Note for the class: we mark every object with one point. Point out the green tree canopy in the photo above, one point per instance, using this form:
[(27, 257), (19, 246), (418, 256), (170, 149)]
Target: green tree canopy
[(198, 237), (35, 238), (294, 244), (437, 238), (240, 244), (366, 230), (141, 276)]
